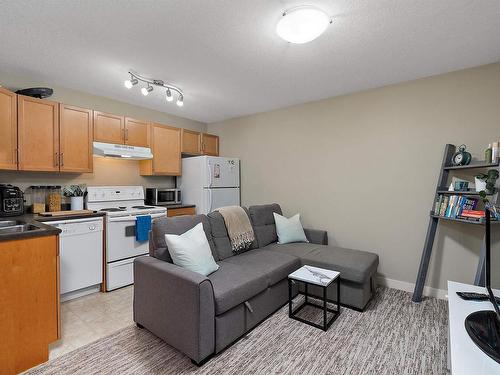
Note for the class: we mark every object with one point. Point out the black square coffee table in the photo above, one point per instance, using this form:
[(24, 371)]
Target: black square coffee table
[(321, 277)]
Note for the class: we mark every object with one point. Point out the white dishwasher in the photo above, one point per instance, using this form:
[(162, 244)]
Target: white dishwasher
[(81, 257)]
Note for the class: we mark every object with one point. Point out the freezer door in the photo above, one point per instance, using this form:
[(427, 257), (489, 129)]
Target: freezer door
[(220, 197), (222, 172)]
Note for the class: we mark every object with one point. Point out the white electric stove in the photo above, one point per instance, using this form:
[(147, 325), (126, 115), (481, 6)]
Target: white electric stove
[(122, 205)]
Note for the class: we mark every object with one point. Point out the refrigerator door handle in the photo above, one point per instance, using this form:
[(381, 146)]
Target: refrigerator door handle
[(210, 182), (210, 200)]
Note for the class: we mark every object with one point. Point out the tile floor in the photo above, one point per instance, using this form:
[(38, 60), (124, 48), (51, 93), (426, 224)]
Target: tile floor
[(89, 318)]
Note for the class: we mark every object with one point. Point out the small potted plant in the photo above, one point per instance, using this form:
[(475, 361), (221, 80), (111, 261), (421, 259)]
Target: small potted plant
[(485, 182), (76, 194)]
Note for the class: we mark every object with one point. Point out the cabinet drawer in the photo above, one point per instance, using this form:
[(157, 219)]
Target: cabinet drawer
[(171, 212)]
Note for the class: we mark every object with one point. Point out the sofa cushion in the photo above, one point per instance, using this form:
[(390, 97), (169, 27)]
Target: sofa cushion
[(275, 265), (353, 265), (233, 285), (298, 249), (176, 225), (263, 222), (220, 237)]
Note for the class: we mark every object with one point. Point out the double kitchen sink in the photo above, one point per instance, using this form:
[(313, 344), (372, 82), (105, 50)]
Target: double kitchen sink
[(16, 226)]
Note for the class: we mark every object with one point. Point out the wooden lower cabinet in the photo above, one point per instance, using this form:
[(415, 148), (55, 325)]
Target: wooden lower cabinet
[(171, 212), (166, 148), (29, 301)]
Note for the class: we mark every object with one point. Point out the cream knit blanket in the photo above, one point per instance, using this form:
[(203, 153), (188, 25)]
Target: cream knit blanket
[(238, 226)]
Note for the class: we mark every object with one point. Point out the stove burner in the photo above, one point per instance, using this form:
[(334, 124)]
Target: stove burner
[(113, 209), (142, 207)]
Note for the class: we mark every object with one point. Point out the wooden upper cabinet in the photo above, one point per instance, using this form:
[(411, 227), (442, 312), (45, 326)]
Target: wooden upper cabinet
[(136, 132), (191, 142), (8, 129), (108, 128), (75, 139), (38, 134), (210, 144), (166, 148)]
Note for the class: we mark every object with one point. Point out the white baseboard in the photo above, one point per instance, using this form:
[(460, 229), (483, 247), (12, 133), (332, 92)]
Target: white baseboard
[(409, 287)]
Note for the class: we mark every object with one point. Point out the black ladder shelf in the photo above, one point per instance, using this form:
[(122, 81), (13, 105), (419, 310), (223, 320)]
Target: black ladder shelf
[(441, 187)]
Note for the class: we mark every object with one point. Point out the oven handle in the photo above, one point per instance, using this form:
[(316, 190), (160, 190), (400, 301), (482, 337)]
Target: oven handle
[(132, 218)]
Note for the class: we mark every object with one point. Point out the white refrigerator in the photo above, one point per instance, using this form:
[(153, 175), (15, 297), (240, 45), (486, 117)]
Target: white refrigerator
[(210, 182)]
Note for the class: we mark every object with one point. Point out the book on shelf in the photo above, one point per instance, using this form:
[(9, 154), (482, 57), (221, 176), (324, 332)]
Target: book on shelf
[(458, 207)]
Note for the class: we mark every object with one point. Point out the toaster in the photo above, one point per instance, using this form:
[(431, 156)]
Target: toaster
[(11, 200)]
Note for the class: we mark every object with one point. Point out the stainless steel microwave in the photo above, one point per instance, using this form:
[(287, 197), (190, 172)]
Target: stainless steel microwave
[(163, 197)]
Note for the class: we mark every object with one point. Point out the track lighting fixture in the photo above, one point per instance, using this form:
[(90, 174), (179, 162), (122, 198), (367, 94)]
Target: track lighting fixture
[(135, 78), (146, 90)]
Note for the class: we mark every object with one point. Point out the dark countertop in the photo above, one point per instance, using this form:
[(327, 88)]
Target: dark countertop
[(180, 206), (39, 222), (43, 229), (45, 219)]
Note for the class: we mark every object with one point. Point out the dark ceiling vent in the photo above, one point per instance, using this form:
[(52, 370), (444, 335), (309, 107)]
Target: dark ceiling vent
[(36, 92)]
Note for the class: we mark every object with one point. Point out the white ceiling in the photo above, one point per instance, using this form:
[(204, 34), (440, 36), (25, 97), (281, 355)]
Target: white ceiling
[(226, 56)]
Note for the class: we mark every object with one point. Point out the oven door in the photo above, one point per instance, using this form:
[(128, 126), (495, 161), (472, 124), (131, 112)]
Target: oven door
[(167, 196), (120, 238)]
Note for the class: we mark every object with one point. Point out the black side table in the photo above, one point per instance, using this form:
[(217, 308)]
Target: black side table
[(319, 277)]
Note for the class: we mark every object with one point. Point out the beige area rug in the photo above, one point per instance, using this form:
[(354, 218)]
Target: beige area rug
[(393, 336)]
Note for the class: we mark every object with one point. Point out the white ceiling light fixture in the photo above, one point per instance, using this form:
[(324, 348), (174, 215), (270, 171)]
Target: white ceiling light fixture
[(136, 77), (302, 24)]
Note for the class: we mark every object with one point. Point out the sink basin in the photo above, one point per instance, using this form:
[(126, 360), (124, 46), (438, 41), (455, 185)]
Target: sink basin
[(10, 223), (20, 228)]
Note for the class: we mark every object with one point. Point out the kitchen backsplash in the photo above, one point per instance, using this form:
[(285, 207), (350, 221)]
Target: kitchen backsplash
[(106, 172)]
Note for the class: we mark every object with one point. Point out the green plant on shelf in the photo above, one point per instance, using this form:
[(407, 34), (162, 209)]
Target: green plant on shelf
[(490, 178)]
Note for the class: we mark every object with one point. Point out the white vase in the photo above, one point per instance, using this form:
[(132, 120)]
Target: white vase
[(76, 203), (480, 184)]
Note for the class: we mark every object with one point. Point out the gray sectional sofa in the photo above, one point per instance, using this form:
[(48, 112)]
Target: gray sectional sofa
[(201, 315)]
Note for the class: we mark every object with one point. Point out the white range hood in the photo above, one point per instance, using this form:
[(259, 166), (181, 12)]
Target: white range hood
[(122, 151)]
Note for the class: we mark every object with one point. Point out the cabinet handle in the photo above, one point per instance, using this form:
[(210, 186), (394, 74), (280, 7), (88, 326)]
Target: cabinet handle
[(126, 134), (56, 159), (61, 159)]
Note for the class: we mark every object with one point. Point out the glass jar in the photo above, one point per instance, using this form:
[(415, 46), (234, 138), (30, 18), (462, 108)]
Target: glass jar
[(38, 194), (54, 198)]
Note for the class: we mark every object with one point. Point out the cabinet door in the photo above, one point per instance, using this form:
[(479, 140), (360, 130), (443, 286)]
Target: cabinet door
[(75, 139), (38, 134), (8, 130), (191, 142), (166, 148), (136, 132), (210, 144), (108, 128)]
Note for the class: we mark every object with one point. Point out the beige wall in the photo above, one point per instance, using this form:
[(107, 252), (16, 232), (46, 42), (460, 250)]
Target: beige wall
[(106, 171), (364, 166)]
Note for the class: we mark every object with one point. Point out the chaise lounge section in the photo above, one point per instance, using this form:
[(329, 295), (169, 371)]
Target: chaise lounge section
[(201, 315)]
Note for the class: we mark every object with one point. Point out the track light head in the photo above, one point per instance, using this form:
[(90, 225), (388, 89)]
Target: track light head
[(180, 101), (146, 90), (129, 83), (169, 96)]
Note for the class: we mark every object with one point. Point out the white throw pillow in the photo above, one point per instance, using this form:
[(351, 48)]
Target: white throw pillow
[(191, 250), (289, 230)]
